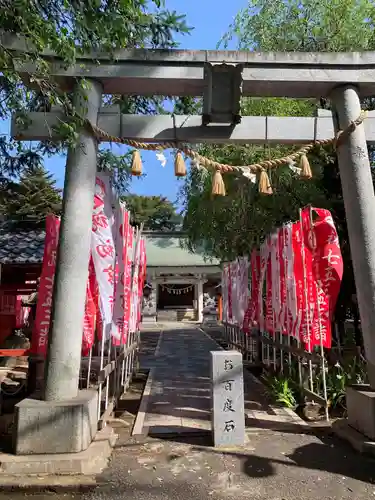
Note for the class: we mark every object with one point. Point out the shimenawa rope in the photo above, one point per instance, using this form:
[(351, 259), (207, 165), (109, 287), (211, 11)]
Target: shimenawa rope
[(208, 163)]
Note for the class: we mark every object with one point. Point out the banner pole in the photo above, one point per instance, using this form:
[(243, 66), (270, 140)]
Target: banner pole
[(323, 365), (306, 303), (275, 250)]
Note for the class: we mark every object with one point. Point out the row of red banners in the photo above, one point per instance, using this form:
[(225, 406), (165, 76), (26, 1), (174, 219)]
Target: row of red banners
[(113, 298), (295, 281)]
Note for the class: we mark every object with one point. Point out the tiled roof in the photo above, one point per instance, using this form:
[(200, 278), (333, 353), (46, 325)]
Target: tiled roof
[(21, 246), (165, 249)]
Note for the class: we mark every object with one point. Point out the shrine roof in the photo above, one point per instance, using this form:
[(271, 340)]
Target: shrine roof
[(21, 246), (167, 249), (163, 249)]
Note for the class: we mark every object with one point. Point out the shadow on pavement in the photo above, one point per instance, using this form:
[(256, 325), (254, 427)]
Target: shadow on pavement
[(313, 456)]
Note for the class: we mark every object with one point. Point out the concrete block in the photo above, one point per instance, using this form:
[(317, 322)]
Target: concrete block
[(356, 439), (360, 402), (90, 461), (46, 427), (228, 416)]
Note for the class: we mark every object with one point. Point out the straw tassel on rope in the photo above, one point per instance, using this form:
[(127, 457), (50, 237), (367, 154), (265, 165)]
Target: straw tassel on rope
[(218, 186), (305, 167), (264, 186), (136, 168), (179, 165), (264, 183)]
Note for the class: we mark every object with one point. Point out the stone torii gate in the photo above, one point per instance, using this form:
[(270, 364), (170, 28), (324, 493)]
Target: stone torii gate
[(222, 78)]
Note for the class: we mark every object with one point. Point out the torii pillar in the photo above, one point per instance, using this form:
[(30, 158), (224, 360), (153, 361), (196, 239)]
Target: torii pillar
[(65, 419), (359, 199)]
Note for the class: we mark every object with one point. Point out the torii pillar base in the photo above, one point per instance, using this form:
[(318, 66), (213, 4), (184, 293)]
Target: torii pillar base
[(50, 427)]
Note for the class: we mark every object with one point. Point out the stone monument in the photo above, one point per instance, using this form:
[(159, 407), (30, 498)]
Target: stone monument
[(228, 408)]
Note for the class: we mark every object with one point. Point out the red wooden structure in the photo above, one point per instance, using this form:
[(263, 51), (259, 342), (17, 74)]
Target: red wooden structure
[(17, 282), (21, 255)]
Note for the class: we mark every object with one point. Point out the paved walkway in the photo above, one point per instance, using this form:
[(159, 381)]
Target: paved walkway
[(177, 398), (178, 392), (283, 459)]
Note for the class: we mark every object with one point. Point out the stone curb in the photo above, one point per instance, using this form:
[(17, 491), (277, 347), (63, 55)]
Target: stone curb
[(68, 465), (138, 427), (39, 483)]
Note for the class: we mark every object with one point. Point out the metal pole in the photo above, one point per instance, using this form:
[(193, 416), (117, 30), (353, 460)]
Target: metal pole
[(65, 337), (359, 200), (323, 359), (89, 369), (322, 353), (308, 313)]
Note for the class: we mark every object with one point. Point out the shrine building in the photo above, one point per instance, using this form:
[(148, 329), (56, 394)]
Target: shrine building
[(179, 283)]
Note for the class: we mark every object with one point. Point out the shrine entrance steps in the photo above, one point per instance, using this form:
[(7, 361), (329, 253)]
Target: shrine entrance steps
[(177, 396)]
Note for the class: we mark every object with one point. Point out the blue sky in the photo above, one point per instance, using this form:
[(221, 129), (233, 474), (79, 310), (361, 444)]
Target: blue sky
[(210, 19), (210, 23)]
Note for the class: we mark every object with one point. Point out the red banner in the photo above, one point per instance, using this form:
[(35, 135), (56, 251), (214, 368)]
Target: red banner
[(269, 314), (103, 249), (283, 289), (252, 311), (128, 260), (276, 278), (88, 337), (264, 253), (141, 279), (290, 280), (121, 223), (43, 309), (310, 318), (230, 305), (299, 320), (328, 271)]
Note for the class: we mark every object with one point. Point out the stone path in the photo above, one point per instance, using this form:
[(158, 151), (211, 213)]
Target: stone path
[(282, 460), (177, 399)]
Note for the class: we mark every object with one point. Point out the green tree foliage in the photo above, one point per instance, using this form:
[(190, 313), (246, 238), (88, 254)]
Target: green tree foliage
[(155, 212), (32, 198), (304, 26), (70, 28), (232, 225)]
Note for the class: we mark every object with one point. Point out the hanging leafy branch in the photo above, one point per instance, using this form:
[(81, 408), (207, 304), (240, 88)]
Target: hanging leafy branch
[(303, 26), (232, 225), (71, 28)]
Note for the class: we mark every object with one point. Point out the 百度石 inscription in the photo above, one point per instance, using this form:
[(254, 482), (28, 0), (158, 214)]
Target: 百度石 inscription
[(228, 416)]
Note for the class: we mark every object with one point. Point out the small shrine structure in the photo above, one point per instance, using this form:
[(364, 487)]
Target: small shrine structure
[(21, 256), (177, 279)]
